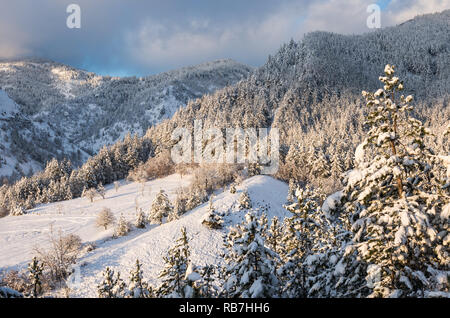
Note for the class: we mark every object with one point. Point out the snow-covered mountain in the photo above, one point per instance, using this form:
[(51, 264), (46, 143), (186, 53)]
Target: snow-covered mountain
[(78, 112), (26, 144), (321, 77)]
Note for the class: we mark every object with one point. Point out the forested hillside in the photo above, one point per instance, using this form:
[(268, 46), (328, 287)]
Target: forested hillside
[(70, 113)]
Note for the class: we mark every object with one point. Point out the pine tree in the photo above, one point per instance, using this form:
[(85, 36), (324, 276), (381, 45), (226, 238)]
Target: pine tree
[(274, 235), (141, 219), (174, 273), (206, 286), (300, 232), (137, 288), (173, 215), (122, 227), (394, 199), (112, 286), (212, 219), (35, 275), (161, 208), (250, 269), (244, 200), (291, 191)]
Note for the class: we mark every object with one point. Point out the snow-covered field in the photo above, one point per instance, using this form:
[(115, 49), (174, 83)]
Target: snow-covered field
[(20, 234)]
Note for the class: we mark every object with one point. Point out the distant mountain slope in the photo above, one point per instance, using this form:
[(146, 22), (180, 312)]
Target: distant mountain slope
[(86, 111), (307, 81), (25, 144)]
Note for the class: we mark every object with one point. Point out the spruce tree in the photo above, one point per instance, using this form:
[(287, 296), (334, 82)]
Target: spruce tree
[(122, 227), (206, 286), (274, 235), (250, 269), (161, 208), (394, 200), (244, 200), (112, 286), (35, 276), (173, 275), (138, 288), (141, 219), (212, 219)]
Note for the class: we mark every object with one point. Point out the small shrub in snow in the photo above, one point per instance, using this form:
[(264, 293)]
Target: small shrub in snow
[(18, 210), (15, 280), (3, 211)]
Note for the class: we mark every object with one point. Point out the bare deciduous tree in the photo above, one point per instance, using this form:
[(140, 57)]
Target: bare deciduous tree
[(61, 254), (105, 218)]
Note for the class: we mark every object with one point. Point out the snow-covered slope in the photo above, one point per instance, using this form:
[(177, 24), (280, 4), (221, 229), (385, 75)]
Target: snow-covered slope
[(20, 234), (8, 108), (16, 134), (82, 111)]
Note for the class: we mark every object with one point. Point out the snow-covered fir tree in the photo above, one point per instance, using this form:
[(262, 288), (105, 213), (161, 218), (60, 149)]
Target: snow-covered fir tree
[(111, 286), (173, 275), (35, 269), (274, 235), (141, 219), (244, 200), (173, 215), (137, 287), (207, 287), (161, 207), (297, 241), (395, 201), (291, 191), (212, 219), (250, 269), (122, 227)]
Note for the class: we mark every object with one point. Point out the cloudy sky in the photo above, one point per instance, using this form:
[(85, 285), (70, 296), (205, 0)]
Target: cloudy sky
[(136, 37)]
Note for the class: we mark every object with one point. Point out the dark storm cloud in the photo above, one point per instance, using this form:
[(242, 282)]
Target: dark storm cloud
[(143, 37)]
